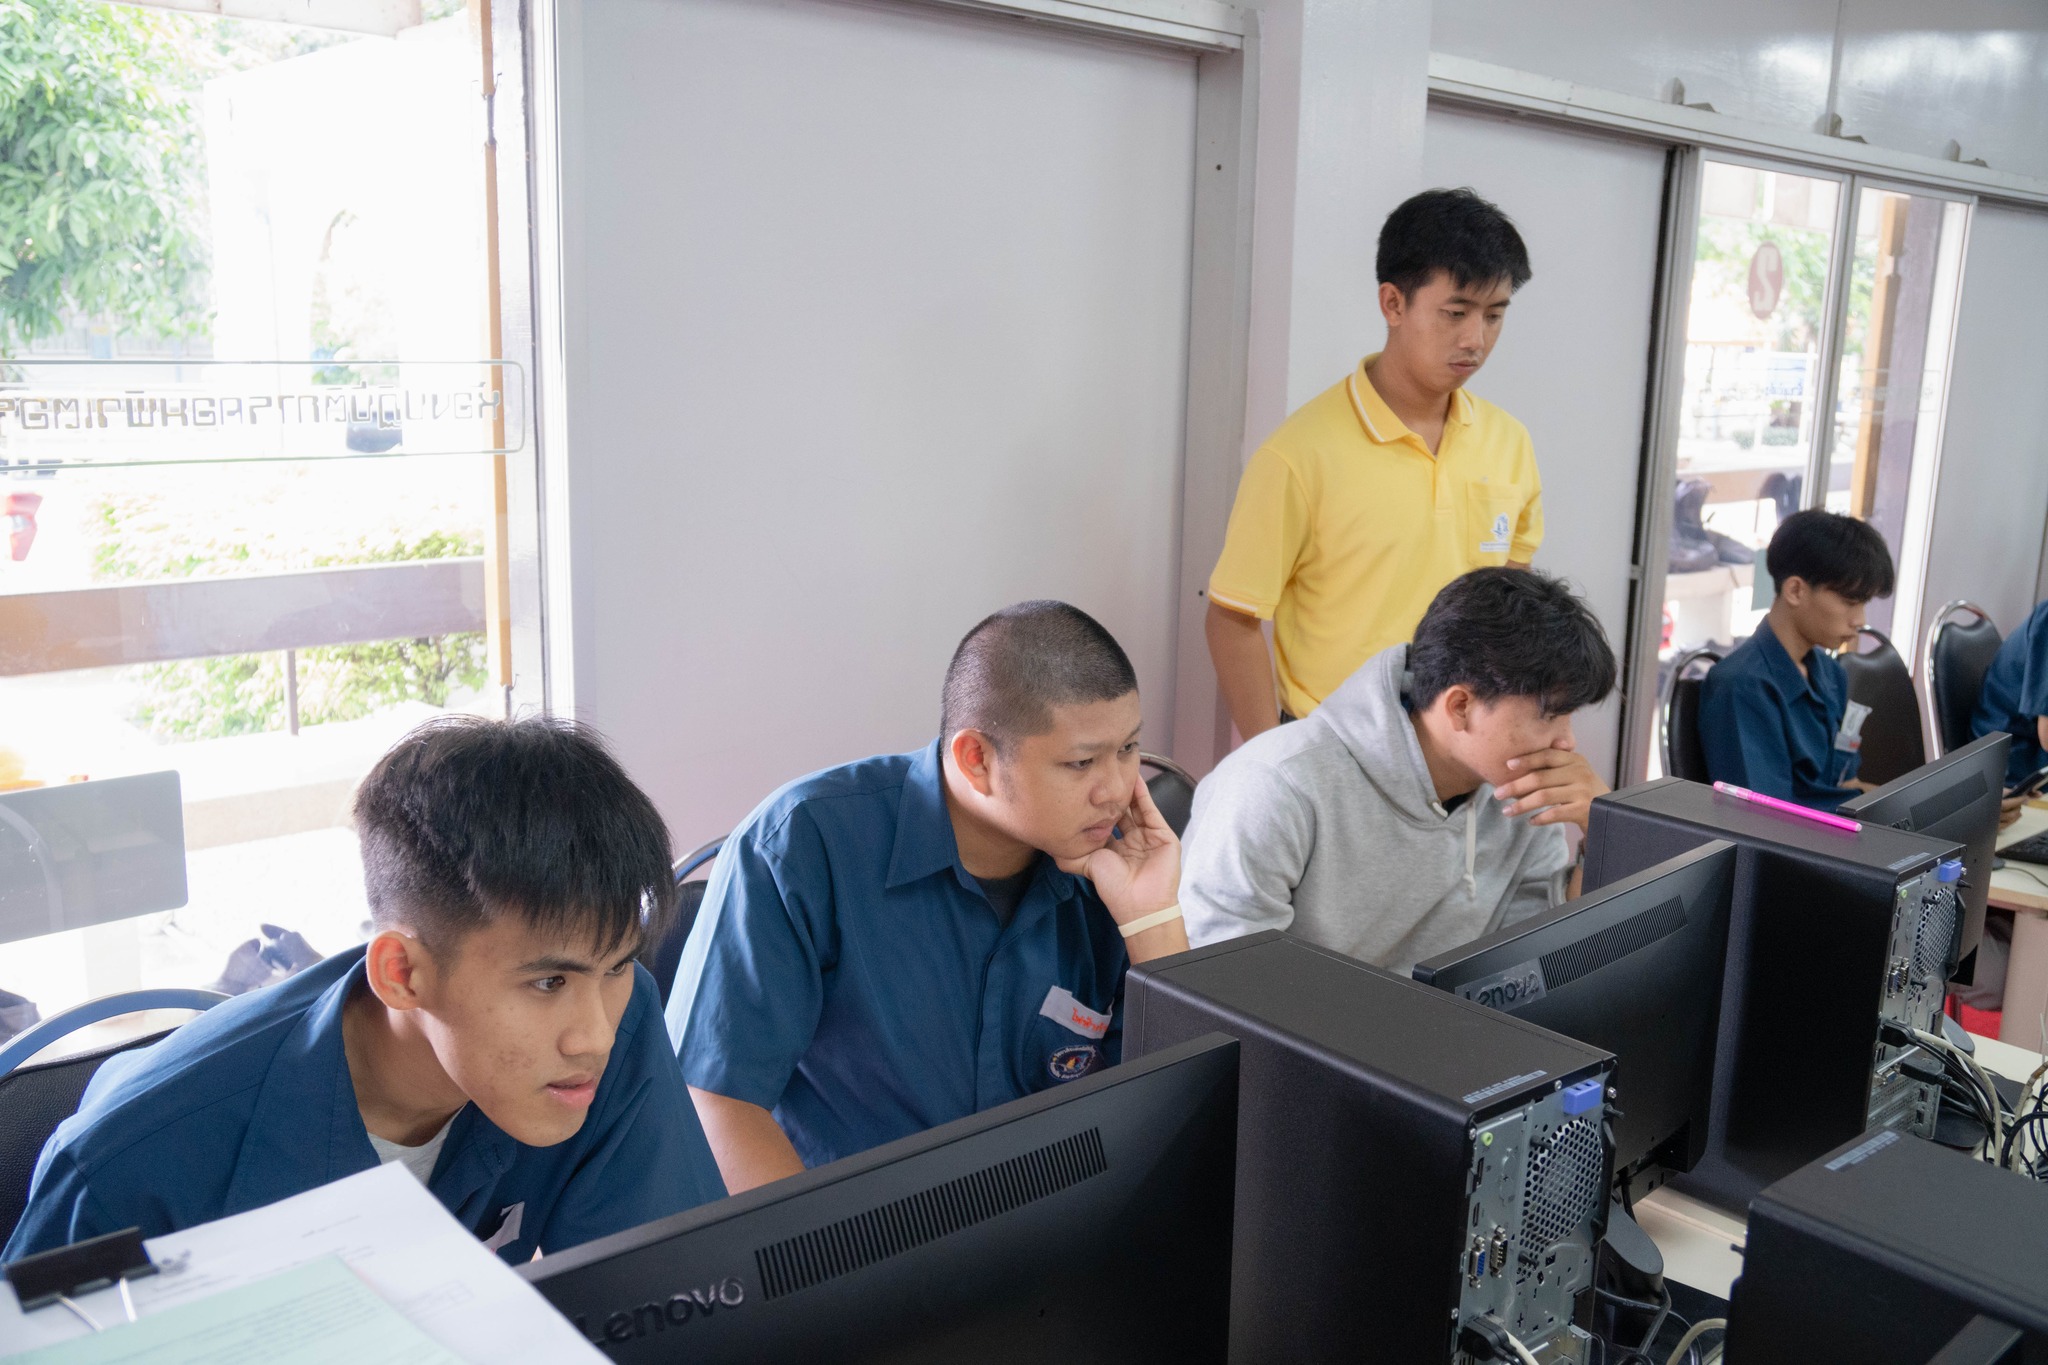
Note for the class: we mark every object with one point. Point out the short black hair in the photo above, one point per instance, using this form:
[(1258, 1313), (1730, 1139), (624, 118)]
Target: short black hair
[(468, 820), (1454, 231), (1013, 668), (1511, 633), (1831, 551)]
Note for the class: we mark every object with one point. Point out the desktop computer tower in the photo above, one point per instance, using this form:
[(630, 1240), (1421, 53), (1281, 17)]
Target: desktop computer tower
[(1892, 1252), (1408, 1162), (1836, 939)]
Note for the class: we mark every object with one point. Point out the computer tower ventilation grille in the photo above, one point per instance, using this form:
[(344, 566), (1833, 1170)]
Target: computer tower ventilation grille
[(1564, 1183), (888, 1229), (1937, 935)]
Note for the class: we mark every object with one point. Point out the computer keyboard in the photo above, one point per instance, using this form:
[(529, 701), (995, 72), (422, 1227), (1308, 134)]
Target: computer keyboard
[(2029, 850)]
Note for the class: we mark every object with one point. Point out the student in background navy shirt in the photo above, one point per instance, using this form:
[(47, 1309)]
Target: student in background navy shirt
[(2015, 697), (906, 940), (1775, 715), (495, 1036)]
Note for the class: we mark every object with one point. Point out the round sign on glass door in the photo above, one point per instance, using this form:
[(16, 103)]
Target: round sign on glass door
[(1766, 279)]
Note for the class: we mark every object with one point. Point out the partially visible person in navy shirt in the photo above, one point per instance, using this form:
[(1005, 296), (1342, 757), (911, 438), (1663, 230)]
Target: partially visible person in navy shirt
[(2015, 698), (1775, 715), (909, 939), (495, 1035)]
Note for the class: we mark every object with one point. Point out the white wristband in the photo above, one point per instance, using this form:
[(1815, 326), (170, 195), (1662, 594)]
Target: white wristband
[(1151, 921)]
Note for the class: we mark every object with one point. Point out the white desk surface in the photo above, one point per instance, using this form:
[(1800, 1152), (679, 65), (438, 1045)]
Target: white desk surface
[(2022, 886), (1701, 1243)]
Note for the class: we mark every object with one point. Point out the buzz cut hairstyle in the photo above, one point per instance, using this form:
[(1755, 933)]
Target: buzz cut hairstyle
[(1832, 551), (1454, 231), (1013, 668), (1511, 633), (469, 821)]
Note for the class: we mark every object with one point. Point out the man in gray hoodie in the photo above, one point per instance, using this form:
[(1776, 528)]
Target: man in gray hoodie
[(1423, 804)]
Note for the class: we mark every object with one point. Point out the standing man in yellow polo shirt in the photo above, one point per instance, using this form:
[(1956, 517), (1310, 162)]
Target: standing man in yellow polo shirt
[(1381, 490)]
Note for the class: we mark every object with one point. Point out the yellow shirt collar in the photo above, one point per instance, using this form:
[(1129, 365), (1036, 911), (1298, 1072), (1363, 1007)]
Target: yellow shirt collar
[(1380, 422)]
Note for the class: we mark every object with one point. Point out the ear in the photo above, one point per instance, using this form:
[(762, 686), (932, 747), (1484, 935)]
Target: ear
[(399, 969), (1458, 704), (1795, 590), (1393, 304), (974, 755)]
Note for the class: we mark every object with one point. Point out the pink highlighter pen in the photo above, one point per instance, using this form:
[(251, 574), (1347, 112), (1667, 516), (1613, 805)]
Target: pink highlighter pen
[(1788, 807)]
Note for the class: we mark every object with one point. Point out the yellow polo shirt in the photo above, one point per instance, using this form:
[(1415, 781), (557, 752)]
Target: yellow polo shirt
[(1345, 527)]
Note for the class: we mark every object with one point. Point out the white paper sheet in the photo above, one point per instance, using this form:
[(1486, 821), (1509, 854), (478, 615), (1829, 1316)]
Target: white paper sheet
[(319, 1314), (386, 1227)]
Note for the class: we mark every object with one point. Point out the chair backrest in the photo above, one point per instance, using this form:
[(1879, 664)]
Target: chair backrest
[(1684, 755), (1959, 654), (1893, 744), (663, 952), (1172, 788), (34, 1099)]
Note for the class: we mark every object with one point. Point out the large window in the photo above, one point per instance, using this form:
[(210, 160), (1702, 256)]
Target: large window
[(248, 439), (1756, 337)]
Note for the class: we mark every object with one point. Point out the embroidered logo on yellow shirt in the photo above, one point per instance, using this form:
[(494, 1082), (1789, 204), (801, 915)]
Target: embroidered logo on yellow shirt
[(1499, 543)]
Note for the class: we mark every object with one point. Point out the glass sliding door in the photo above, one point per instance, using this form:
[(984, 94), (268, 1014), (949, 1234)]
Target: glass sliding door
[(1892, 381), (1751, 412)]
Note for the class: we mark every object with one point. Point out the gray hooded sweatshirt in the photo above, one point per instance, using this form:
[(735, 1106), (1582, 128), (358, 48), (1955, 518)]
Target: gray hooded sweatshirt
[(1330, 828)]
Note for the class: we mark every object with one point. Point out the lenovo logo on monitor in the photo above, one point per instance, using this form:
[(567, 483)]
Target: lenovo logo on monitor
[(631, 1324)]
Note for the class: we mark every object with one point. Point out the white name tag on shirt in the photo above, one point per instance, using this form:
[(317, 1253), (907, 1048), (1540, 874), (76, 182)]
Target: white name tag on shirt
[(1849, 739), (1063, 1009)]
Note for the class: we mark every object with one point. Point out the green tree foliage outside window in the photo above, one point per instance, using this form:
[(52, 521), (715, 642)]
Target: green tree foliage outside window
[(98, 168), (243, 694)]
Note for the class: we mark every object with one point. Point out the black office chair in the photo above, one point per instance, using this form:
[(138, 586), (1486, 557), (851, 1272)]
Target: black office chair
[(35, 1098), (1172, 788), (1684, 755), (663, 952), (1958, 656), (1893, 744)]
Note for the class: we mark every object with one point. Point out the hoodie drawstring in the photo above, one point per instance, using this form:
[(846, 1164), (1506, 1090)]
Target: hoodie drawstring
[(1471, 845)]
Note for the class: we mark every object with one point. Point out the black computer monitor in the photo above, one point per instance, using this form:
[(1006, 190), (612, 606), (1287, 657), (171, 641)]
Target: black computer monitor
[(1634, 968), (1956, 798), (1087, 1223), (85, 853)]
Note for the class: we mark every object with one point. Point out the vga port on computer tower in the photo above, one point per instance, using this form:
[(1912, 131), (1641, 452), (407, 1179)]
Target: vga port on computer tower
[(1415, 1173)]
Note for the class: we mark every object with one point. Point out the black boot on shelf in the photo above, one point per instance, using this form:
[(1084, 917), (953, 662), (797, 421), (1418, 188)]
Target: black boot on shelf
[(1691, 551)]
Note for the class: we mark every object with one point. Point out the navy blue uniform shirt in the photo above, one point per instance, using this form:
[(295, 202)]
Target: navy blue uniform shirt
[(848, 974), (252, 1102), (1766, 728), (2015, 696)]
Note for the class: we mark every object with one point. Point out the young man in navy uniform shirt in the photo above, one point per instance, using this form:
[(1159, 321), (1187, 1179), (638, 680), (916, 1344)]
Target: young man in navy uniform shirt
[(1775, 715), (495, 1035), (909, 939), (2015, 698)]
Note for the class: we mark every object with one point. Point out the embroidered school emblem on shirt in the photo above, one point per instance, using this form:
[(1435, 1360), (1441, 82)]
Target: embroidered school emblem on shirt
[(1063, 1009), (1499, 543), (1073, 1062)]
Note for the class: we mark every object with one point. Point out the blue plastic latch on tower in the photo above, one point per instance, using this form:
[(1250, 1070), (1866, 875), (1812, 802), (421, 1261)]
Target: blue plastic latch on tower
[(1583, 1096), (1949, 871)]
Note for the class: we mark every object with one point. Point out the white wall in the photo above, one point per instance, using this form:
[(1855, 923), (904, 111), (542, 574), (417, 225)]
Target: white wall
[(1989, 501), (1343, 86), (878, 318), (1902, 74)]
